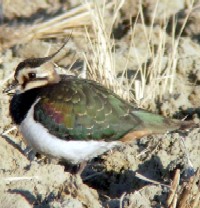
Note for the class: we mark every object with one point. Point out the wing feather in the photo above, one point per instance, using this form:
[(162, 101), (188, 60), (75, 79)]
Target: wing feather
[(83, 110)]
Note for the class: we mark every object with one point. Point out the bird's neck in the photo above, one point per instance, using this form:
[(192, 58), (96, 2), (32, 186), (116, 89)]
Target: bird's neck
[(21, 103)]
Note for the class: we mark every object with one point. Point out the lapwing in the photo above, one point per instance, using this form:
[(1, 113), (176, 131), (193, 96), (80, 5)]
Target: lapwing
[(76, 119)]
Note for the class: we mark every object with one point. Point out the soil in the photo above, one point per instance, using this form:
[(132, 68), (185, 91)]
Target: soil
[(132, 175)]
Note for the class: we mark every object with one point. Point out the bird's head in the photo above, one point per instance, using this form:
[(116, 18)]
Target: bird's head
[(34, 73)]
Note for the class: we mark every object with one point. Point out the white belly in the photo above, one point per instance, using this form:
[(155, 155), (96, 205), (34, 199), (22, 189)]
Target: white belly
[(41, 141)]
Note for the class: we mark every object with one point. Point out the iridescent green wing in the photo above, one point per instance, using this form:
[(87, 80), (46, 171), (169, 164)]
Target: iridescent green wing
[(83, 110)]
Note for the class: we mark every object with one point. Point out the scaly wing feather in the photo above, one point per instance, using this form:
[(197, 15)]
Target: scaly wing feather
[(83, 110)]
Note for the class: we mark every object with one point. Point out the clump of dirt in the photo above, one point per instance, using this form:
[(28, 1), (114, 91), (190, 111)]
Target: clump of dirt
[(42, 185)]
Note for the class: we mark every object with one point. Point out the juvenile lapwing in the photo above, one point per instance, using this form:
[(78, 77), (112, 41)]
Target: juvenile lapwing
[(76, 119)]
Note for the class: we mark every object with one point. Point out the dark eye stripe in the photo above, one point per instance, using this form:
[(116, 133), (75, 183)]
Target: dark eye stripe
[(32, 75)]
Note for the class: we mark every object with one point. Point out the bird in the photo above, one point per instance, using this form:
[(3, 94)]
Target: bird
[(73, 119)]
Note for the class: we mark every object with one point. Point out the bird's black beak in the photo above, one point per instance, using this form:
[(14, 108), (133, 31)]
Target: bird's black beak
[(11, 87)]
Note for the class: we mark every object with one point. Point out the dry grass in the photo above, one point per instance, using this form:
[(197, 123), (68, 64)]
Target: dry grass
[(186, 195), (160, 73), (57, 27), (101, 66)]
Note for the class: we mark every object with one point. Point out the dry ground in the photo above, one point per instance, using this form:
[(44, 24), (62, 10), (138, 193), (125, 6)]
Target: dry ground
[(146, 51)]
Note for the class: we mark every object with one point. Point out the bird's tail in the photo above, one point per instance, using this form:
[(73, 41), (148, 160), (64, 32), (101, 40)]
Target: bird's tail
[(158, 124)]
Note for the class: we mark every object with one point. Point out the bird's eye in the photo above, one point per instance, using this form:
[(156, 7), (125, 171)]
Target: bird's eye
[(32, 75)]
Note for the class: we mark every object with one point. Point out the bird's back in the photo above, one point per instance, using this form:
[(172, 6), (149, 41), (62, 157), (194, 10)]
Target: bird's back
[(76, 109)]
